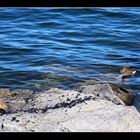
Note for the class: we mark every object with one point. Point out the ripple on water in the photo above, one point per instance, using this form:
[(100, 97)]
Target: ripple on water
[(61, 47)]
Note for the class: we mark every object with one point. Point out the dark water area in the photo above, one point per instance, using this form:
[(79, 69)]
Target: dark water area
[(61, 47)]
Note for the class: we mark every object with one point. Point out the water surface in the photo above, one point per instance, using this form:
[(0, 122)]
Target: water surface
[(60, 47)]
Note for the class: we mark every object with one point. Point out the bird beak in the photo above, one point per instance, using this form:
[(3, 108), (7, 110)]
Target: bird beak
[(134, 72)]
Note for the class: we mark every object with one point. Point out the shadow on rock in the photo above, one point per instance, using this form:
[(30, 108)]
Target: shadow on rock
[(136, 102)]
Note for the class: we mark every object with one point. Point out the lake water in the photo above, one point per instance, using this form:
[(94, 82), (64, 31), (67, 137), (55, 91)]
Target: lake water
[(61, 47)]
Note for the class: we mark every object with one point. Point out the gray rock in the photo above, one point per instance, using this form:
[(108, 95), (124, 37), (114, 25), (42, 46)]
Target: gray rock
[(18, 99), (109, 92), (70, 111)]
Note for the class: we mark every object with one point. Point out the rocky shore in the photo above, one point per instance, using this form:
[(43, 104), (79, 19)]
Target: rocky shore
[(97, 107)]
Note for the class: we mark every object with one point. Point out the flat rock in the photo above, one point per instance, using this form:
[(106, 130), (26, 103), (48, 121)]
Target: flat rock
[(70, 111)]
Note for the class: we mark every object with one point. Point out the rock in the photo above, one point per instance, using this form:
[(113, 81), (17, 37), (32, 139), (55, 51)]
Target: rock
[(109, 92), (16, 99), (3, 107), (4, 92), (136, 102), (101, 116), (123, 94), (58, 110), (54, 99)]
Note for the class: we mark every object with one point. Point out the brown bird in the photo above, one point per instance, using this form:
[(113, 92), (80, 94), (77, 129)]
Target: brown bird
[(127, 72)]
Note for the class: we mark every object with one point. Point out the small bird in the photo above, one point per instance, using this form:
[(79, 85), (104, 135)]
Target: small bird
[(127, 72)]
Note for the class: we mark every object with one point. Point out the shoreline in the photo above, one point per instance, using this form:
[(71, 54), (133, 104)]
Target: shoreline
[(91, 108)]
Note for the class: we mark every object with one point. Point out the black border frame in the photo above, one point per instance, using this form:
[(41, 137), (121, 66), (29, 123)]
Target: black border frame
[(69, 3)]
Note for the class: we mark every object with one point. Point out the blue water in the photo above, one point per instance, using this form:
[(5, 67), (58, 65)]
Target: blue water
[(60, 47)]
